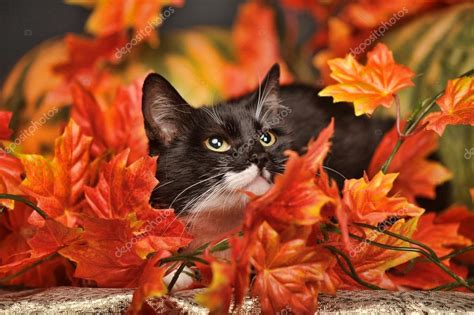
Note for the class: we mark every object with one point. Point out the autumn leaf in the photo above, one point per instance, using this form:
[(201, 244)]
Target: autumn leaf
[(288, 274), (441, 237), (105, 253), (85, 53), (58, 185), (5, 131), (255, 38), (10, 177), (106, 125), (424, 275), (370, 86), (17, 231), (367, 201), (122, 189), (297, 197), (217, 296), (151, 282), (372, 262), (461, 216), (418, 176), (111, 251), (114, 16), (457, 106), (160, 230), (26, 245)]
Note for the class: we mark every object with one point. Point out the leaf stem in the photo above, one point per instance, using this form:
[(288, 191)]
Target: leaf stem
[(176, 276), (451, 285), (412, 122), (351, 272), (433, 258), (28, 268), (26, 202)]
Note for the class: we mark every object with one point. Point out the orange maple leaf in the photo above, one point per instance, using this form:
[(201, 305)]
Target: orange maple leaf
[(122, 189), (457, 106), (368, 86), (288, 273), (58, 185), (110, 126), (367, 201), (418, 176), (217, 297), (151, 282)]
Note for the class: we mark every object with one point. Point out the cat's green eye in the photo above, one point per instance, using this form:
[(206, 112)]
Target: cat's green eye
[(267, 139), (216, 144)]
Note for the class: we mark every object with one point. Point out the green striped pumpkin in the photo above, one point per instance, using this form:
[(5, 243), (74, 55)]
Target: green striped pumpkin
[(439, 47)]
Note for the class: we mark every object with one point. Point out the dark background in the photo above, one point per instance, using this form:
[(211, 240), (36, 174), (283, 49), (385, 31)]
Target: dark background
[(26, 23)]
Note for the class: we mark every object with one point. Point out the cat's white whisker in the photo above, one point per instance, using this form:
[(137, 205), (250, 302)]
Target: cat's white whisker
[(191, 186)]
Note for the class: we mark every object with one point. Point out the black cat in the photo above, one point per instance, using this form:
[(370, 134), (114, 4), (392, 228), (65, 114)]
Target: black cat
[(209, 155)]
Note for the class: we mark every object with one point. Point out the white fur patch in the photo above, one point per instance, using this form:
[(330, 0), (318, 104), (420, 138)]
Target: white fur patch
[(250, 179), (222, 210)]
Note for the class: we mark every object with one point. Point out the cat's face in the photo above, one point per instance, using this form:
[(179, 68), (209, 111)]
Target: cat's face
[(209, 156)]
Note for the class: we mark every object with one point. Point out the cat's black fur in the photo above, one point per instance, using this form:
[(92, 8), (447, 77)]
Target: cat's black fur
[(295, 113)]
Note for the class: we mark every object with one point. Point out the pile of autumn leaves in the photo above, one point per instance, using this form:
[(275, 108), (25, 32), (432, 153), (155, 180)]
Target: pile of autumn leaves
[(93, 225)]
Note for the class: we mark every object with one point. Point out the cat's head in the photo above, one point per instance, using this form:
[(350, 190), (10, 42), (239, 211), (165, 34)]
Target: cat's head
[(209, 155)]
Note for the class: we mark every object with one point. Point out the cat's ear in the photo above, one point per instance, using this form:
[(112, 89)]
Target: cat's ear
[(164, 110), (269, 92)]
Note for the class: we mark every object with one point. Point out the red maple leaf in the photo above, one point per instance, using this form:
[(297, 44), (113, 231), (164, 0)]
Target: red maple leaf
[(441, 237), (105, 254), (58, 185), (85, 53), (122, 189), (10, 177), (5, 131), (35, 250), (110, 125), (424, 275), (418, 176)]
